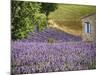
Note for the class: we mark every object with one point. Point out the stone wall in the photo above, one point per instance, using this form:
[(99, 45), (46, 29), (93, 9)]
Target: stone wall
[(92, 35)]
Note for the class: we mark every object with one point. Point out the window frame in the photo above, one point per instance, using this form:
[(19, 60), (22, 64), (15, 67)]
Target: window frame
[(87, 27)]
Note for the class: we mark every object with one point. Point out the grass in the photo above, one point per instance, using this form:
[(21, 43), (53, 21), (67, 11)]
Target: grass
[(69, 15)]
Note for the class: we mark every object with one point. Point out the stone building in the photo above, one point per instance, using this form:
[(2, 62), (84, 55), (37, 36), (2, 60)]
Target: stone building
[(89, 27)]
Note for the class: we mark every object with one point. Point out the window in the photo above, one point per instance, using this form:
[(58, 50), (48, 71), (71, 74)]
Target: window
[(87, 27)]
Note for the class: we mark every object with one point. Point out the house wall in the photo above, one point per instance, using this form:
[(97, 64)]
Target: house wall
[(92, 35)]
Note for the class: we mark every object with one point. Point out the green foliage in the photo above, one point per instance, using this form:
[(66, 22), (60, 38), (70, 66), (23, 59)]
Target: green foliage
[(22, 18), (25, 16), (40, 21), (92, 64), (48, 7)]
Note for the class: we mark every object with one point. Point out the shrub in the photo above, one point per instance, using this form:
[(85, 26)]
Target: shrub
[(22, 18), (51, 40), (40, 21)]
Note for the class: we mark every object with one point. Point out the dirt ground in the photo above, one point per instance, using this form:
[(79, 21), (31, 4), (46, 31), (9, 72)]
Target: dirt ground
[(63, 28)]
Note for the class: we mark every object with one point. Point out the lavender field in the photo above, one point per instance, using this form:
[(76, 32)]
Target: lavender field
[(50, 51), (51, 35)]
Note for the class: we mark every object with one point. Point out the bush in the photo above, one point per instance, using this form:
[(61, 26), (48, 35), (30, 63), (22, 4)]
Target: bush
[(40, 21), (22, 18), (28, 16), (51, 40)]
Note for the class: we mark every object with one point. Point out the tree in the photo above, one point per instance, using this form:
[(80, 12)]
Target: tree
[(48, 7), (27, 16), (23, 18), (40, 22)]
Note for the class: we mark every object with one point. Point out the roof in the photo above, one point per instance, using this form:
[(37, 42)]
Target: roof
[(87, 15)]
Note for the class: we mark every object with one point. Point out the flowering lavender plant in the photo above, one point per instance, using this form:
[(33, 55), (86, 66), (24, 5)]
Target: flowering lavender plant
[(34, 55)]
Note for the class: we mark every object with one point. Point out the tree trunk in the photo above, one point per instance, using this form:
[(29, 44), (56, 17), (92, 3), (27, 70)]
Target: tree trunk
[(36, 28)]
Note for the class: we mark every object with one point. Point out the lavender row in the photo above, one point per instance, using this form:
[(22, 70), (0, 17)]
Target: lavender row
[(53, 35), (32, 57)]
